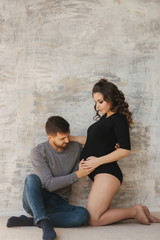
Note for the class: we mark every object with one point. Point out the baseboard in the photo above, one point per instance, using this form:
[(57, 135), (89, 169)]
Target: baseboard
[(13, 213)]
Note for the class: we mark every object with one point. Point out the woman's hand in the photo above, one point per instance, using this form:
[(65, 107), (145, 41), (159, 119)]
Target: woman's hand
[(91, 163)]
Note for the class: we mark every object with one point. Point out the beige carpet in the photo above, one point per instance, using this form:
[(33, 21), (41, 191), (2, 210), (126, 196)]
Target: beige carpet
[(126, 230)]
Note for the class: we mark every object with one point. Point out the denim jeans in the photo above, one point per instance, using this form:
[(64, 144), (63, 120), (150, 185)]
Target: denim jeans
[(41, 204)]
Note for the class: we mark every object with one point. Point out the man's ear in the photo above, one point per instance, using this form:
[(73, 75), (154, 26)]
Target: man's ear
[(49, 137)]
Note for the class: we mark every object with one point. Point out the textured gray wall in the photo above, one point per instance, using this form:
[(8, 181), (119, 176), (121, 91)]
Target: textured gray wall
[(52, 52)]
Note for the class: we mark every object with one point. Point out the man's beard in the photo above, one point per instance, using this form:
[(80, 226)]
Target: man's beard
[(60, 146)]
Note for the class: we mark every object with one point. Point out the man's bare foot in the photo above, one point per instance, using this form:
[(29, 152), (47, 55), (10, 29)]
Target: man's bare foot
[(140, 216), (151, 218)]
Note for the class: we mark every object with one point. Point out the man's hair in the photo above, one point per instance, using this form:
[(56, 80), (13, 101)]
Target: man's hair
[(56, 124)]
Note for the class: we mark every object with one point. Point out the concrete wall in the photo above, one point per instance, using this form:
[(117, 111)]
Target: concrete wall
[(52, 52)]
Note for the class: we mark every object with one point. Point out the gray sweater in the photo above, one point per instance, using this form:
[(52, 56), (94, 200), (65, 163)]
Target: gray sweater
[(57, 169)]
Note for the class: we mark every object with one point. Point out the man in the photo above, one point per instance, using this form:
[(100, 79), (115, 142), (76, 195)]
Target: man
[(46, 192)]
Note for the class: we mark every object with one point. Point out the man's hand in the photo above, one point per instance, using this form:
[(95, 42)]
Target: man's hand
[(82, 172), (91, 163)]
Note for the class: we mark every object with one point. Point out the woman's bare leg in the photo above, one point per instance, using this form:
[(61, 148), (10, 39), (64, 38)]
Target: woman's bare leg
[(104, 187), (91, 183)]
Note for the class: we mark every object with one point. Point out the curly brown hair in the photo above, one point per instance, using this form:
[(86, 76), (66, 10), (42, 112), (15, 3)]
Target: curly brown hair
[(113, 95)]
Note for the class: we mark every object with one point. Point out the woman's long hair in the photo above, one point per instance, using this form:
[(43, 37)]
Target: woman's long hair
[(113, 95)]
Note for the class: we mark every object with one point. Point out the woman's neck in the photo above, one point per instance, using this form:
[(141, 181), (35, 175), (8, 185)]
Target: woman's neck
[(109, 113)]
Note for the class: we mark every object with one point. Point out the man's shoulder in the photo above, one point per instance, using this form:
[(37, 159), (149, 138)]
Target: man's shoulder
[(73, 148), (40, 148), (73, 145)]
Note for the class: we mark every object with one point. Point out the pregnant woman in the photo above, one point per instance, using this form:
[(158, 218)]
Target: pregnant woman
[(99, 154)]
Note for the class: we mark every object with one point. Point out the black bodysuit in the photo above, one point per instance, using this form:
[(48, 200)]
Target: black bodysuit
[(102, 137)]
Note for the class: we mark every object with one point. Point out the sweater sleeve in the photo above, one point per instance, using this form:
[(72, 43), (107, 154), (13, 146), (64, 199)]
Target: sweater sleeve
[(121, 130), (42, 169)]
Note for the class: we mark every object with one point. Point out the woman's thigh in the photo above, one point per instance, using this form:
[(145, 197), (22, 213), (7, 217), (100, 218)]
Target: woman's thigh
[(104, 187)]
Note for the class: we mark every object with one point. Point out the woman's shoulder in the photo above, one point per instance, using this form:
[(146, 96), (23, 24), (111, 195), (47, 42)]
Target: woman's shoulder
[(120, 116), (115, 116), (120, 119)]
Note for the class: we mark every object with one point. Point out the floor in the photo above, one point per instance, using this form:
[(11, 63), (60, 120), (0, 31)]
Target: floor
[(126, 230)]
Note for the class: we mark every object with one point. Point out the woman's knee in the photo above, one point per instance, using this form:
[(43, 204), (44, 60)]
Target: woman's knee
[(93, 221)]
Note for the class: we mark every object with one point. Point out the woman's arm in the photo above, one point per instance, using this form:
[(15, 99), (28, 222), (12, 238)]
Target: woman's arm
[(94, 162), (114, 156), (80, 139)]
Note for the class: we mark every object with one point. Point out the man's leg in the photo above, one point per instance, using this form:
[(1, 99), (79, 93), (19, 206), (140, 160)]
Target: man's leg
[(65, 215), (33, 203), (33, 200)]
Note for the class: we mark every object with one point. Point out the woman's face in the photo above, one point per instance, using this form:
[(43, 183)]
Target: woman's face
[(101, 105)]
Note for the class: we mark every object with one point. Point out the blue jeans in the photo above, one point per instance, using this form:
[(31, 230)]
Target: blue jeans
[(41, 204)]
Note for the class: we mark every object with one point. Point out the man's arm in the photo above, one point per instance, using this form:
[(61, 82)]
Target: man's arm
[(49, 182), (80, 139)]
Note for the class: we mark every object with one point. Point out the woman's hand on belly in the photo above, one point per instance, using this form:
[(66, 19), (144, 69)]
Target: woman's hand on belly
[(91, 163)]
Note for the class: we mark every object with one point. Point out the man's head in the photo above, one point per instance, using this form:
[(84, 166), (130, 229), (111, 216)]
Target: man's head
[(58, 132)]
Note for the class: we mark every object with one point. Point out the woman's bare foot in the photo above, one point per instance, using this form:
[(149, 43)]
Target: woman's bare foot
[(140, 216), (151, 218)]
